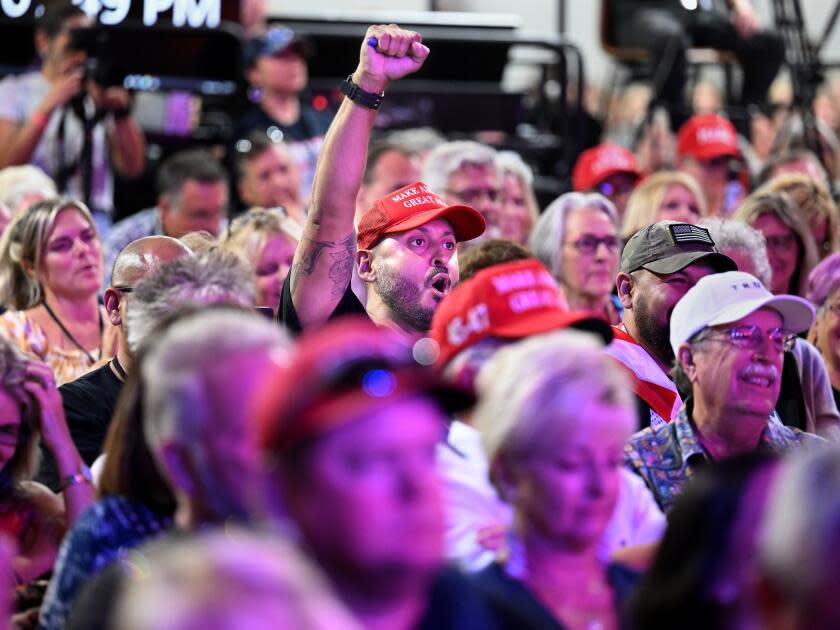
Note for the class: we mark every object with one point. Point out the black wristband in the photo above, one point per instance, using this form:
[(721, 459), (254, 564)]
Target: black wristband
[(121, 113), (360, 96)]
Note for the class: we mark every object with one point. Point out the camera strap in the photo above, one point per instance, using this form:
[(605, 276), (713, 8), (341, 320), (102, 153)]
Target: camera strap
[(84, 161)]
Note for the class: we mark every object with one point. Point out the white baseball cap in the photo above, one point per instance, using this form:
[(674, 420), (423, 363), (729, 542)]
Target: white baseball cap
[(723, 298)]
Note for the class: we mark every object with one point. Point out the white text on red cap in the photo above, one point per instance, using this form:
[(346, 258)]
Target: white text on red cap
[(715, 135), (414, 197)]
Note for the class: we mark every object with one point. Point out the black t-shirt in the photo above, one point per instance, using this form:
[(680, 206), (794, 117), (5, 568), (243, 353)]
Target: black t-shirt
[(348, 305), (89, 403), (311, 124)]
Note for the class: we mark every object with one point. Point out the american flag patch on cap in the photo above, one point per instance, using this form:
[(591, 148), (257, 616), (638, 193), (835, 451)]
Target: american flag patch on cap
[(687, 233)]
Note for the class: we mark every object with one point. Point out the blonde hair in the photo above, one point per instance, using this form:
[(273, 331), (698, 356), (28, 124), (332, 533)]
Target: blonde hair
[(23, 244), (24, 462), (814, 200), (779, 204), (643, 203), (511, 163), (534, 389), (247, 232)]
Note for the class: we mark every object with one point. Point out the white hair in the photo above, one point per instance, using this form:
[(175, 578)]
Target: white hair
[(176, 371), (530, 390), (226, 578), (447, 158), (547, 236), (732, 234), (798, 541), (511, 161), (18, 181)]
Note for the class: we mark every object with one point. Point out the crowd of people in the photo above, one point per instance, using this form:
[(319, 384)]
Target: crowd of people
[(393, 392)]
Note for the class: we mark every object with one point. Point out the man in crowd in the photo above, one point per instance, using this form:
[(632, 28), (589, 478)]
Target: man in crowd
[(68, 125), (607, 169), (497, 306), (349, 430), (658, 265), (406, 241), (197, 378), (267, 176), (729, 334), (707, 149), (391, 165), (192, 195), (89, 401), (465, 172)]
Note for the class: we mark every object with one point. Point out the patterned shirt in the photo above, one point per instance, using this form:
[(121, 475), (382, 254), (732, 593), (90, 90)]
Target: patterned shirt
[(668, 456), (108, 528)]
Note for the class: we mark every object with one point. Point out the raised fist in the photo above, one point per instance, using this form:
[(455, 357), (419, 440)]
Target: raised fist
[(398, 53)]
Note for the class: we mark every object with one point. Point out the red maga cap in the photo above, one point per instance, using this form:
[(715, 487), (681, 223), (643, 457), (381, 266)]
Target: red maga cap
[(337, 374), (596, 164), (707, 136), (413, 206), (511, 300)]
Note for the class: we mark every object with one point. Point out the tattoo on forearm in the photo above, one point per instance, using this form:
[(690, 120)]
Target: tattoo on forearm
[(340, 258)]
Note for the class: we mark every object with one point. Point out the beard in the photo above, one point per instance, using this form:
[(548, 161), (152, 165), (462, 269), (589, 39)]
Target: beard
[(656, 335), (402, 297)]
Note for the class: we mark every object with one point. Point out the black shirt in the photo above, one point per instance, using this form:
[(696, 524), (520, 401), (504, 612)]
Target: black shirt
[(89, 403), (348, 305), (311, 124)]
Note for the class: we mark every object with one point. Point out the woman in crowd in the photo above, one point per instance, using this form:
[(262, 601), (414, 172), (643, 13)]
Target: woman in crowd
[(31, 514), (51, 277), (743, 244), (518, 199), (267, 240), (134, 505), (790, 245), (815, 204), (577, 239), (667, 195), (561, 476), (824, 293), (702, 569)]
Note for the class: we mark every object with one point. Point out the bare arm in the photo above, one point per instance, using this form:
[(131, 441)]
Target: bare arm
[(323, 262), (18, 141)]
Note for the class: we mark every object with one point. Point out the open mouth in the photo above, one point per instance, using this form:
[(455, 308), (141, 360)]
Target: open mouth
[(758, 380)]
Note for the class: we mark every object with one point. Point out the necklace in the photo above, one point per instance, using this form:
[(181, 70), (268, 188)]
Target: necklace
[(70, 336), (118, 368)]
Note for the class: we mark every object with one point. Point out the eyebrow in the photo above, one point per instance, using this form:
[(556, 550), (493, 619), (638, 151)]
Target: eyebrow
[(425, 230)]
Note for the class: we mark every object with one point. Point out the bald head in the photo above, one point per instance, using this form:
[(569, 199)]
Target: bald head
[(142, 257)]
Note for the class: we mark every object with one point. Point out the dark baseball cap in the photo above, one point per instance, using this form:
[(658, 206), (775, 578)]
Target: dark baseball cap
[(274, 41), (668, 246)]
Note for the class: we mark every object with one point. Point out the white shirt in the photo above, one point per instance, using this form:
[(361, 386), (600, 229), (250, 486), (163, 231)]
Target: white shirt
[(471, 504)]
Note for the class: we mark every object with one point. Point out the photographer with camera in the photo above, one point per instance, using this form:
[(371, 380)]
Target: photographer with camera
[(61, 120)]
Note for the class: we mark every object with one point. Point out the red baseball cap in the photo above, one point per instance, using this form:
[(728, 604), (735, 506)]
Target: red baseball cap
[(413, 206), (707, 136), (596, 164), (337, 374), (510, 300)]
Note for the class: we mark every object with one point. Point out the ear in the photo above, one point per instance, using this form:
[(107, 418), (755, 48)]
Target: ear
[(28, 268), (685, 356), (179, 467), (624, 287), (112, 300), (252, 76), (364, 266)]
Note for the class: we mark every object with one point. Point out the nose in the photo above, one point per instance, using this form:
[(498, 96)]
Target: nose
[(595, 482)]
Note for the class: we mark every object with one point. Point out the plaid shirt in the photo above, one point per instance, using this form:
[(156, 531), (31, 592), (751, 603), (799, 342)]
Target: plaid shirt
[(667, 457)]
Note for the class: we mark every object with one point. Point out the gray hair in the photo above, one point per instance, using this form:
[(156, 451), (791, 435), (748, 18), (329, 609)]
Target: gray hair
[(417, 140), (447, 158), (798, 541), (555, 372), (18, 181), (176, 370), (547, 236), (740, 236), (228, 577), (215, 277)]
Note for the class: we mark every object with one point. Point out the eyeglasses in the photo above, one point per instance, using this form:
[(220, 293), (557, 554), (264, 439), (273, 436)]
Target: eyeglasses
[(123, 289), (834, 308), (589, 244), (471, 195), (750, 337), (609, 189)]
